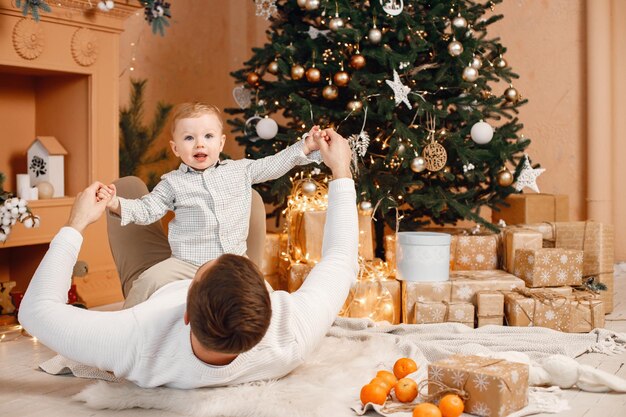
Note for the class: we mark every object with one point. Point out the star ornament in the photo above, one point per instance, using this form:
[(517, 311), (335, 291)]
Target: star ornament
[(266, 8), (528, 176), (400, 91), (315, 32)]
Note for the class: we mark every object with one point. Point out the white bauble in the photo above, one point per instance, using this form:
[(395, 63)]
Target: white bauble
[(375, 35), (455, 48), (470, 74), (267, 128), (481, 133)]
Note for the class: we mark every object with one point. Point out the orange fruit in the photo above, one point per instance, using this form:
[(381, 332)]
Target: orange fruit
[(406, 390), (373, 393), (383, 383), (404, 367), (387, 376), (426, 410), (451, 405)]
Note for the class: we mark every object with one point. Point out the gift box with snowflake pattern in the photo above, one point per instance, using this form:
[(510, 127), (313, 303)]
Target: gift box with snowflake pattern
[(444, 312), (538, 309), (549, 267), (413, 292), (465, 284), (489, 308), (496, 388), (475, 252)]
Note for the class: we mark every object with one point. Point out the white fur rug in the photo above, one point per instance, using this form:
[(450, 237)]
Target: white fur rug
[(329, 383)]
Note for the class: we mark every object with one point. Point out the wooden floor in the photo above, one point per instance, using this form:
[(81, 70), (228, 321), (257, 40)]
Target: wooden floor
[(24, 391)]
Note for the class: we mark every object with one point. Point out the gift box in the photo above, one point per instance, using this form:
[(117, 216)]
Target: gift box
[(6, 304), (465, 284), (412, 292), (378, 300), (563, 291), (490, 308), (495, 387), (533, 208), (306, 234), (549, 267), (275, 281), (389, 242), (538, 309), (271, 255), (515, 238), (596, 240), (586, 313), (444, 312), (475, 252), (297, 274)]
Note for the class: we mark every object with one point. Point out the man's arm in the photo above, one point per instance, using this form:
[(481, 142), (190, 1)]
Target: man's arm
[(101, 339), (323, 293)]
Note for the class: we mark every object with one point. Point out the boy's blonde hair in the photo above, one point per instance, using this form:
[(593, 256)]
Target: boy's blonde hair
[(191, 110)]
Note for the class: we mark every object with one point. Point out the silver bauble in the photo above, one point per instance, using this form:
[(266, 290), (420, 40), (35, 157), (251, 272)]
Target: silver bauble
[(455, 48), (459, 22), (312, 4), (309, 187), (336, 23), (418, 164), (470, 74), (500, 62), (476, 62), (365, 205), (511, 95), (375, 35)]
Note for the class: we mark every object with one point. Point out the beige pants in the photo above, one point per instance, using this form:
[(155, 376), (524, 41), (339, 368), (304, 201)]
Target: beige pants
[(142, 254)]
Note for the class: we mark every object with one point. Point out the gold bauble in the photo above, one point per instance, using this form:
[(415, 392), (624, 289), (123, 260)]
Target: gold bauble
[(313, 75), (511, 95), (505, 178), (272, 67), (297, 72), (357, 61), (418, 164), (309, 188), (500, 62), (253, 79), (302, 4), (312, 4), (330, 92), (336, 23), (354, 105), (342, 78)]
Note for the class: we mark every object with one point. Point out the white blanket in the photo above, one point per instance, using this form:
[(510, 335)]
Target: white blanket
[(330, 381)]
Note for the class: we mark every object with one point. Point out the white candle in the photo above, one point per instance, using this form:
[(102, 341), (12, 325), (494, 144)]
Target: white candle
[(23, 186)]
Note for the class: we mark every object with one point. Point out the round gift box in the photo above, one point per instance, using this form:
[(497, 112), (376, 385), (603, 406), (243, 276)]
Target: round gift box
[(423, 256)]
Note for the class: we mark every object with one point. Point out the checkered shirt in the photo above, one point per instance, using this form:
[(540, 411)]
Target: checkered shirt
[(212, 207)]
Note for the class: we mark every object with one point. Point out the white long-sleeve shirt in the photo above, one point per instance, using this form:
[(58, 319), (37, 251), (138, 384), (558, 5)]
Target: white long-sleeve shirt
[(150, 345), (212, 207)]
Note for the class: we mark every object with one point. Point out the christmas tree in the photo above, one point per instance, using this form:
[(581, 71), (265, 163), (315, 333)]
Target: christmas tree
[(417, 86)]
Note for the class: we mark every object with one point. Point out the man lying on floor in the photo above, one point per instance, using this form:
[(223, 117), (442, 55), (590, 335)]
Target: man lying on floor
[(223, 327)]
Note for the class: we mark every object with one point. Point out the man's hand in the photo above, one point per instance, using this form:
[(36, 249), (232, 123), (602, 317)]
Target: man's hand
[(310, 142), (336, 153), (87, 208)]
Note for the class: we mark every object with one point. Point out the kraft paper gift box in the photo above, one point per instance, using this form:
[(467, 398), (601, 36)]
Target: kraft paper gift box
[(412, 292), (444, 312), (6, 304), (537, 310), (533, 208), (586, 312), (490, 308), (379, 300), (564, 291), (515, 238), (465, 284), (271, 255), (297, 274), (549, 267), (306, 233), (596, 240), (475, 252), (496, 388)]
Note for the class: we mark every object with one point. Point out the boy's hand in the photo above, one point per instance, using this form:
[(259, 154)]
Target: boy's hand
[(311, 141), (109, 193)]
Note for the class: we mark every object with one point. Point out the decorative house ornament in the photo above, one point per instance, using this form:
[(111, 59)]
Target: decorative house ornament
[(85, 47), (28, 39), (46, 163)]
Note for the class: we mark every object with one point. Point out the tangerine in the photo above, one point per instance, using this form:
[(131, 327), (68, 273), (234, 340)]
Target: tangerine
[(404, 367), (387, 376), (451, 405), (373, 393), (383, 383), (426, 410), (406, 390)]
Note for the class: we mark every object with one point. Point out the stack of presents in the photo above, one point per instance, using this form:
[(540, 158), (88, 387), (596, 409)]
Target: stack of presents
[(541, 270)]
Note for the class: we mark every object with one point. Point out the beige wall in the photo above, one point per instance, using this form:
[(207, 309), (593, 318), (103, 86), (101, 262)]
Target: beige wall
[(546, 41)]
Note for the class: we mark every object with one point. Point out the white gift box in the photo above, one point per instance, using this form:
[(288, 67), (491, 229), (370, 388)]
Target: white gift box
[(423, 256)]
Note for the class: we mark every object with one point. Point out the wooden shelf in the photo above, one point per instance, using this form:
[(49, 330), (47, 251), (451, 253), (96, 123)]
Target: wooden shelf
[(53, 213)]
